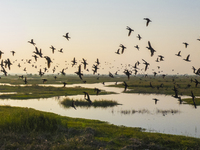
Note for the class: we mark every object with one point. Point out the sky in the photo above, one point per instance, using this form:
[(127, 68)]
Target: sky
[(97, 28)]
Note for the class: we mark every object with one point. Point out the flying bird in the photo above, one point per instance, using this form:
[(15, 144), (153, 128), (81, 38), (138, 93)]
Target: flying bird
[(67, 36), (186, 44), (139, 37), (73, 104), (150, 48), (179, 54), (87, 97), (79, 72), (1, 53), (130, 30), (53, 49), (187, 58), (123, 48), (48, 61), (31, 42), (146, 64), (13, 52), (117, 52), (155, 99), (147, 21)]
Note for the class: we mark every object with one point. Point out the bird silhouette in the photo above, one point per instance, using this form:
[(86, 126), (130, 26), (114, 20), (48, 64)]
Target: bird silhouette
[(25, 80), (146, 64), (150, 48), (44, 81), (123, 48), (74, 62), (117, 52), (73, 104), (79, 72), (127, 73), (111, 75), (13, 52), (67, 36), (193, 97), (139, 37), (37, 52), (125, 86), (61, 50), (179, 54), (161, 57), (64, 84), (41, 73), (1, 53), (97, 91), (84, 63), (31, 42), (4, 71), (136, 46), (155, 99), (97, 62), (186, 44), (62, 72), (35, 56), (147, 21), (87, 97), (130, 30), (48, 61), (53, 49), (187, 58)]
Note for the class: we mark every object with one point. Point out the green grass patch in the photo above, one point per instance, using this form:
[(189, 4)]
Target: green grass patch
[(83, 103), (35, 91), (189, 101), (23, 128)]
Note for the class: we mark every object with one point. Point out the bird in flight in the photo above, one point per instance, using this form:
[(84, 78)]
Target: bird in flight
[(139, 37), (123, 48), (187, 58), (53, 49), (179, 54), (117, 52), (150, 48), (130, 30), (147, 21), (136, 46), (155, 99), (84, 63), (186, 44), (48, 61), (146, 64), (1, 53), (31, 42), (13, 52), (74, 62), (79, 72), (67, 36), (88, 97), (73, 104)]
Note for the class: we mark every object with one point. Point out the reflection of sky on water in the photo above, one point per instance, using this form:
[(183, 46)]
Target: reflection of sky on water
[(184, 122)]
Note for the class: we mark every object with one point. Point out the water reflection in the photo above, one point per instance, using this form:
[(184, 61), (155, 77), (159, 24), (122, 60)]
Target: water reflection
[(183, 121)]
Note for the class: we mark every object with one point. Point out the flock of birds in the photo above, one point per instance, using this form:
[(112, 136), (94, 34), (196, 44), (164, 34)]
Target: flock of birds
[(38, 54)]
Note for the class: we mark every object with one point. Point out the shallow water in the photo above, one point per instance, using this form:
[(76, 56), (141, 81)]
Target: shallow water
[(137, 110)]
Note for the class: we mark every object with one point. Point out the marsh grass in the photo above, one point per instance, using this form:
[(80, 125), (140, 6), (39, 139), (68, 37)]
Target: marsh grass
[(44, 131), (83, 103), (35, 91), (189, 101), (28, 120)]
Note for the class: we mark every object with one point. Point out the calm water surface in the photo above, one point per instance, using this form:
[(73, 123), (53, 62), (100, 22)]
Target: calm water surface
[(137, 110)]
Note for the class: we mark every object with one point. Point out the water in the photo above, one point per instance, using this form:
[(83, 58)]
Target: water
[(137, 110)]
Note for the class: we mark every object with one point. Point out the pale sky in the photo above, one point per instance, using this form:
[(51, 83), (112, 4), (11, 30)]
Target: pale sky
[(97, 28)]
